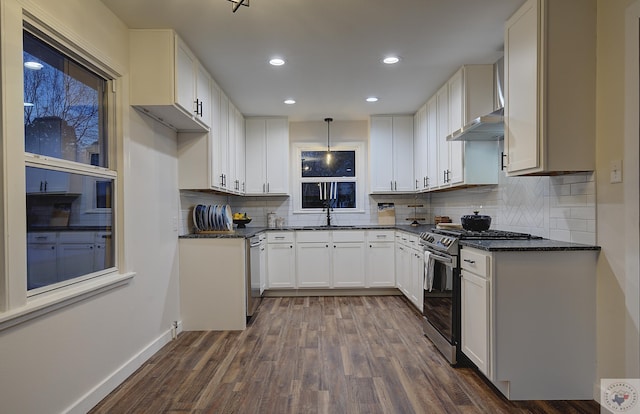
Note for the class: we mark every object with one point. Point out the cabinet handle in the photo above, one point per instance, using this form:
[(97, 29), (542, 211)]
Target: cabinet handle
[(444, 176), (395, 183), (416, 184), (291, 247), (201, 111), (469, 261), (267, 187), (41, 186), (370, 246), (264, 187), (243, 187), (503, 156), (53, 247), (279, 237), (326, 245), (391, 183), (381, 236), (45, 186)]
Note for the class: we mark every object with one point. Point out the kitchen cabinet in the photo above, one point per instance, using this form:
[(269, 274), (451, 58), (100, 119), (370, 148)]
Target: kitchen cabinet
[(380, 258), (467, 95), (165, 80), (267, 155), (41, 180), (208, 160), (550, 82), (313, 258), (212, 284), (475, 307), (432, 144), (421, 149), (347, 259), (42, 255), (538, 303), (410, 268), (281, 260), (391, 154)]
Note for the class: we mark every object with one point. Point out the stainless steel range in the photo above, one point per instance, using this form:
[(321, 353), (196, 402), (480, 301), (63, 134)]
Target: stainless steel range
[(441, 309)]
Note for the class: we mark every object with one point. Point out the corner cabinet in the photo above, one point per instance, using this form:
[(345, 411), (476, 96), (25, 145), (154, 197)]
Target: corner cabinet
[(550, 86), (167, 81), (391, 154), (267, 155)]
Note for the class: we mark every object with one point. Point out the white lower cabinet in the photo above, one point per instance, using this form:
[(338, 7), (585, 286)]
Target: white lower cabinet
[(416, 290), (348, 264), (529, 321), (410, 268), (475, 328), (313, 259), (380, 259), (281, 260)]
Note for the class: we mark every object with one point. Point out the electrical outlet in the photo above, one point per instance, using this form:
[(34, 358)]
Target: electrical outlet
[(616, 171)]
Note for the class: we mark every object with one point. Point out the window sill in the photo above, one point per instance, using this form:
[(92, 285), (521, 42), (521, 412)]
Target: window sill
[(51, 301)]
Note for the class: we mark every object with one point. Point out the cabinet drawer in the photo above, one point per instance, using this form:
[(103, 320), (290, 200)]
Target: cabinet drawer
[(348, 236), (380, 235), (77, 237), (313, 236), (41, 237), (280, 237), (474, 262)]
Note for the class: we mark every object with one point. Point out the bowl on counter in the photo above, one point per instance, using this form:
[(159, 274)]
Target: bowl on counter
[(476, 222), (242, 222)]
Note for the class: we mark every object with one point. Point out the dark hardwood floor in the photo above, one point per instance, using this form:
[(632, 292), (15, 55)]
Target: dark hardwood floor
[(315, 355)]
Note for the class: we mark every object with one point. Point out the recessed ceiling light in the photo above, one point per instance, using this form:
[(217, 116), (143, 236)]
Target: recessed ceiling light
[(276, 61), (33, 65), (289, 101), (390, 60), (372, 99)]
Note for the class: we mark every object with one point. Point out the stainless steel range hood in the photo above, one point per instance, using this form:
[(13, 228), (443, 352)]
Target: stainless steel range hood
[(488, 127)]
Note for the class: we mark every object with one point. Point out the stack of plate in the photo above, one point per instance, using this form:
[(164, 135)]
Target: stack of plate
[(212, 217)]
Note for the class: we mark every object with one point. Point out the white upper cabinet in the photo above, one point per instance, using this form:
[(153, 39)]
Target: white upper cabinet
[(391, 154), (432, 144), (167, 80), (550, 82), (267, 156), (420, 149)]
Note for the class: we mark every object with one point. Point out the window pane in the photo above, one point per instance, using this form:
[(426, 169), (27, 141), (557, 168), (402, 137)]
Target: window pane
[(69, 226), (336, 194), (64, 106), (333, 164)]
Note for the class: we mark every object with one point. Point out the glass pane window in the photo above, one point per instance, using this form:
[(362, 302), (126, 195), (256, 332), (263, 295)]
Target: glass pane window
[(332, 194), (64, 106), (69, 226), (328, 164)]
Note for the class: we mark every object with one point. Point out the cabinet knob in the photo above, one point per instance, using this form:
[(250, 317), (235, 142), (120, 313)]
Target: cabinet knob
[(469, 261)]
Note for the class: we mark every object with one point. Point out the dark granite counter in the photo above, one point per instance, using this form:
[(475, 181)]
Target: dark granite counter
[(526, 245), (249, 232)]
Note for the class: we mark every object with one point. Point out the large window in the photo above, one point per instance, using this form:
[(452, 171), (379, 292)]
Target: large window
[(328, 179), (69, 177)]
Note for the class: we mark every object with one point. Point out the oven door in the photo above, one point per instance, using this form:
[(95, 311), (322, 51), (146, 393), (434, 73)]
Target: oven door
[(441, 300)]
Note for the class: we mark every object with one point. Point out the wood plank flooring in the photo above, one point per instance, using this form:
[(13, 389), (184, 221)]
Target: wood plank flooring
[(315, 355)]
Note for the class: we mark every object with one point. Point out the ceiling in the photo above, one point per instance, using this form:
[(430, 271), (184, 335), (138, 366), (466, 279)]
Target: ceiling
[(333, 49)]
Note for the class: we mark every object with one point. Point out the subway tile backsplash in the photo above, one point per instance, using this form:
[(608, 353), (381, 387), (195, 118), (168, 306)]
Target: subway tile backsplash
[(559, 207)]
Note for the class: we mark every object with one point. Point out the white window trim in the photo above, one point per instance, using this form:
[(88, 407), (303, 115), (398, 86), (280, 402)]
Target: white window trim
[(16, 306), (360, 177)]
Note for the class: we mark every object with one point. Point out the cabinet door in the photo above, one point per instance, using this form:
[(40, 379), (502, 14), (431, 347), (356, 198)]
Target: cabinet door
[(232, 148), (203, 96), (420, 148), (240, 151), (380, 264), (224, 143), (280, 265), (403, 153), (475, 320), (442, 128), (521, 90), (313, 264), (263, 267), (348, 264), (215, 138), (75, 259), (185, 77), (432, 143), (42, 259), (255, 132), (277, 153), (403, 267), (456, 101), (381, 161), (417, 278)]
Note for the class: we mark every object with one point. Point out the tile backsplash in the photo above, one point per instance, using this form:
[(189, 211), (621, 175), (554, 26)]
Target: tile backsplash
[(558, 207)]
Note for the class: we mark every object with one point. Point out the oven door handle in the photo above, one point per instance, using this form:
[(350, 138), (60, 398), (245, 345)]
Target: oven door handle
[(439, 258)]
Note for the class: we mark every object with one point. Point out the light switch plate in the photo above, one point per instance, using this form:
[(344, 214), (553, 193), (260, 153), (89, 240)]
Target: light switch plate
[(616, 171)]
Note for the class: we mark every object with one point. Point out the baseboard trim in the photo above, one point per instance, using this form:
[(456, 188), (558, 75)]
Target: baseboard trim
[(101, 390), (332, 292)]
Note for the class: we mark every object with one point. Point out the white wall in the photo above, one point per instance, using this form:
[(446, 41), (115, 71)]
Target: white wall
[(66, 359)]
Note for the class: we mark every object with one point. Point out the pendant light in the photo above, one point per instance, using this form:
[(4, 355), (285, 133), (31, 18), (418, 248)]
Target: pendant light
[(328, 121)]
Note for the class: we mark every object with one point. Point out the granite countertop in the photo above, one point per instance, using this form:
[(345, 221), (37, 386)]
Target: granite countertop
[(249, 232), (526, 245)]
